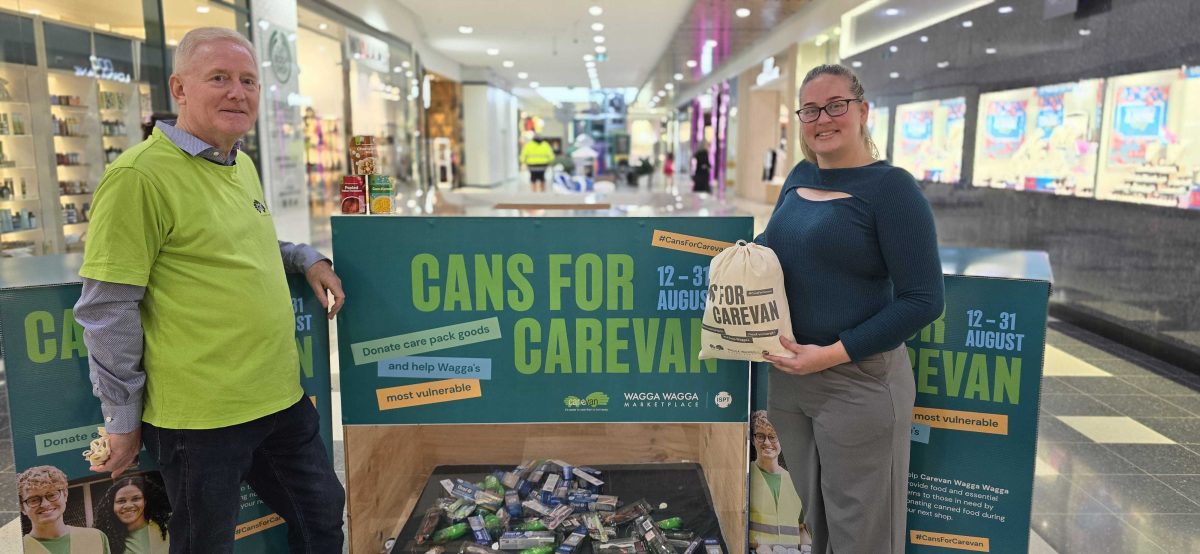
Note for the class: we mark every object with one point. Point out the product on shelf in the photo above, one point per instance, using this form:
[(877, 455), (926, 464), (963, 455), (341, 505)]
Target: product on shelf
[(65, 100), (364, 156), (380, 191), (354, 195)]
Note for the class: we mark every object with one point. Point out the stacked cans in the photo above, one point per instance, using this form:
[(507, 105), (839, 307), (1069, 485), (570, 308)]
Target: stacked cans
[(366, 191)]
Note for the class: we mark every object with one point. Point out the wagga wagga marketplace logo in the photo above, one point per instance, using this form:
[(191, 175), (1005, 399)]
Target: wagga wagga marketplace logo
[(662, 399), (595, 402)]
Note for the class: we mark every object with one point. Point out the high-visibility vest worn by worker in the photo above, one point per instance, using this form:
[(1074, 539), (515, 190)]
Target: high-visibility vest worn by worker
[(772, 520), (537, 153)]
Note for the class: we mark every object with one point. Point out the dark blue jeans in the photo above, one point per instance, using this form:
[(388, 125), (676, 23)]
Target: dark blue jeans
[(280, 456)]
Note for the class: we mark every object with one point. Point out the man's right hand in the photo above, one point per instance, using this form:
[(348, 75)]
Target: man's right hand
[(122, 449)]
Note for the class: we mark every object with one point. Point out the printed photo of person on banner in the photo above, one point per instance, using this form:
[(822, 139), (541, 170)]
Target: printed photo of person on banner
[(776, 512), (43, 492), (133, 515)]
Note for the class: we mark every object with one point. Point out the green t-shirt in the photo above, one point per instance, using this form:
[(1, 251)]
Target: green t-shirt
[(62, 545), (138, 542), (217, 314), (772, 479)]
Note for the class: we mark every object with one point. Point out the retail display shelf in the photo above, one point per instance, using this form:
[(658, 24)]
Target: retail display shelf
[(18, 201), (16, 167), (21, 231), (71, 107), (22, 135), (17, 102), (85, 194), (71, 136)]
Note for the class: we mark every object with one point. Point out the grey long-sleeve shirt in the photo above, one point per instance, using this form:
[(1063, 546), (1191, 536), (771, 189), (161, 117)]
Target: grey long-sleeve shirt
[(111, 318)]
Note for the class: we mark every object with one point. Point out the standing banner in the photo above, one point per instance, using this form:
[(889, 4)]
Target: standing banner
[(54, 416), (521, 320), (978, 372)]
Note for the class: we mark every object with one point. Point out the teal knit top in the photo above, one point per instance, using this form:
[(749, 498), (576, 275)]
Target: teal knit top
[(863, 269)]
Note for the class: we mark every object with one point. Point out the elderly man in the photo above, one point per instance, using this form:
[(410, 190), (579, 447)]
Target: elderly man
[(43, 493), (188, 318)]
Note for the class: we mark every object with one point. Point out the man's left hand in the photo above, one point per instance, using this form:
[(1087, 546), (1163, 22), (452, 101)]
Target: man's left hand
[(324, 282)]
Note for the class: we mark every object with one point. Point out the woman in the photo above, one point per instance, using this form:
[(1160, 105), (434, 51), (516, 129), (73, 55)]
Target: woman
[(858, 247), (133, 514), (775, 509), (701, 170)]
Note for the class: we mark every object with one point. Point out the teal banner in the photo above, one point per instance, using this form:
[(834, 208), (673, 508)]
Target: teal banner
[(54, 416), (522, 320), (978, 372)]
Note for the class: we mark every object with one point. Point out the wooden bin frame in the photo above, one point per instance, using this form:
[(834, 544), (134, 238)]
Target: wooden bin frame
[(387, 465)]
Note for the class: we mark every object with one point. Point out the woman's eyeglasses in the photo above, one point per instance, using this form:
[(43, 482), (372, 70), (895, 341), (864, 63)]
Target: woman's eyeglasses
[(836, 108)]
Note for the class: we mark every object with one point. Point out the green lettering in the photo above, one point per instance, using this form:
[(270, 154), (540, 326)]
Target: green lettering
[(673, 353), (424, 297), (954, 364), (645, 341), (489, 282), (558, 353), (72, 337), (925, 370), (557, 280), (518, 266), (589, 291), (304, 345), (620, 282), (615, 345), (977, 384), (38, 344), (527, 331), (458, 285), (1008, 380), (588, 334)]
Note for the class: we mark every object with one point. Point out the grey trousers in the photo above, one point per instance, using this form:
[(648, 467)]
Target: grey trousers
[(844, 434)]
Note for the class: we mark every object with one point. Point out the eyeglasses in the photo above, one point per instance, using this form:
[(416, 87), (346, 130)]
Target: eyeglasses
[(759, 437), (35, 501), (836, 108)]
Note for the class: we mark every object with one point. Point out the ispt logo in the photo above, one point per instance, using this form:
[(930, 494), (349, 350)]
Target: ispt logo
[(723, 399)]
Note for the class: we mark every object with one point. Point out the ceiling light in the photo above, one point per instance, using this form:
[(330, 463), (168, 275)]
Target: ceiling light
[(924, 38), (691, 63), (408, 73), (597, 26), (493, 51), (405, 64), (855, 64), (465, 29), (894, 48), (34, 12), (742, 12), (533, 84), (669, 86), (891, 11), (202, 9), (710, 43), (590, 64), (1005, 9), (943, 65), (507, 63), (968, 23), (522, 75), (595, 10), (323, 26), (678, 76), (588, 57), (1085, 32), (601, 49), (990, 50), (172, 42), (397, 69), (598, 39), (894, 75)]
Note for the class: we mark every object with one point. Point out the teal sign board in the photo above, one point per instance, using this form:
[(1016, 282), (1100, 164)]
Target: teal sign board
[(523, 320), (54, 415), (978, 372)]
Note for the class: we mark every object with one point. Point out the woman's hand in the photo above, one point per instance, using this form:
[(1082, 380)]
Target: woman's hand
[(809, 358)]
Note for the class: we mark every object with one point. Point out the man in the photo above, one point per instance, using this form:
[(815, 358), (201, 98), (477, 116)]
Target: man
[(182, 258), (537, 155), (43, 494)]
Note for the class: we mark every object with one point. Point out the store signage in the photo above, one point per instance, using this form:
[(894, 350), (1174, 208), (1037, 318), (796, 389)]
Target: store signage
[(54, 415), (1005, 128), (279, 51), (769, 72), (978, 372), (1139, 118), (369, 51), (102, 68), (597, 320)]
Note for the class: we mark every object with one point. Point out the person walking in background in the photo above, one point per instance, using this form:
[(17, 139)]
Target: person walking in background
[(701, 170), (188, 319), (42, 491), (133, 515), (537, 155), (669, 169), (858, 247)]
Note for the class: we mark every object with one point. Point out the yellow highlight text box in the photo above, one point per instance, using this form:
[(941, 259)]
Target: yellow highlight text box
[(944, 540), (255, 526), (975, 422), (688, 243), (430, 392)]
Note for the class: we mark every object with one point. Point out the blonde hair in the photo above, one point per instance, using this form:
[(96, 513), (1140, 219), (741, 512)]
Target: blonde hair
[(199, 36), (41, 476), (759, 419), (856, 89)]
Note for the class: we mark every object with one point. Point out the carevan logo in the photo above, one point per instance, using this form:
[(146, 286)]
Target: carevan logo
[(594, 402)]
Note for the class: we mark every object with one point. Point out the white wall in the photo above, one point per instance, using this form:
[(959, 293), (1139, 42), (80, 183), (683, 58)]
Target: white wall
[(490, 135)]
